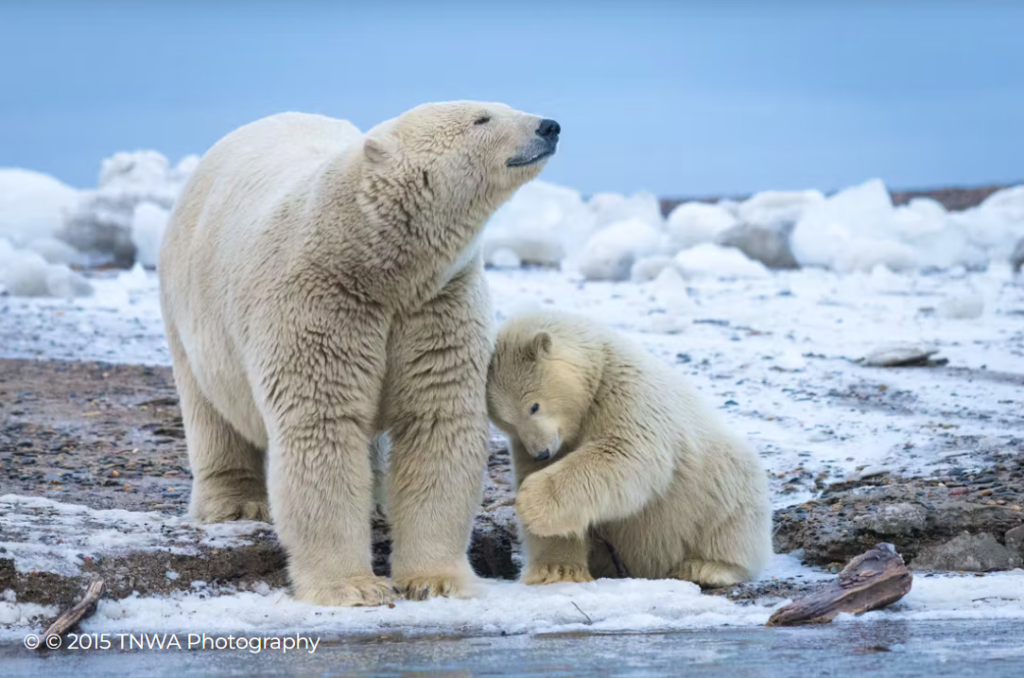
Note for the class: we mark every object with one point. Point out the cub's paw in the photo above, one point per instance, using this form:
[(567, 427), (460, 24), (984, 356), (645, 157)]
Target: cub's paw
[(421, 587), (710, 574), (226, 510), (554, 573), (363, 591), (542, 513)]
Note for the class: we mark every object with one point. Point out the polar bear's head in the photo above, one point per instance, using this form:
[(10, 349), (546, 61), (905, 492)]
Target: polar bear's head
[(461, 154), (540, 385)]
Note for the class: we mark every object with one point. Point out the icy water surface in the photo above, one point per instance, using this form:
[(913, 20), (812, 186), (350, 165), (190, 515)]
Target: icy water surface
[(991, 649)]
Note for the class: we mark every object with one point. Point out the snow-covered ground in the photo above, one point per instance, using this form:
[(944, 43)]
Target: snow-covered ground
[(60, 535), (775, 355)]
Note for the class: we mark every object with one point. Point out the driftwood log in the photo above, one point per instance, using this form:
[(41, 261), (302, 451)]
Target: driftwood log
[(70, 618), (871, 581)]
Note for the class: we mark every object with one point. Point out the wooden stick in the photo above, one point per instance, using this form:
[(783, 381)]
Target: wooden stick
[(872, 580), (620, 567), (70, 618)]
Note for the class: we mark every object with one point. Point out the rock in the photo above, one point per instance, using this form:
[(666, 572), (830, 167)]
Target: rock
[(900, 355), (893, 520), (769, 245), (871, 581), (1015, 540), (968, 553), (919, 516), (1017, 258)]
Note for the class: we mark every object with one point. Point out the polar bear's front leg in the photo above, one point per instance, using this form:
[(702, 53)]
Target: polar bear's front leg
[(320, 393), (435, 412)]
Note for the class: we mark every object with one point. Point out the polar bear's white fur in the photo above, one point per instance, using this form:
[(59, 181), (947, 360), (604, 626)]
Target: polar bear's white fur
[(612, 447), (320, 286)]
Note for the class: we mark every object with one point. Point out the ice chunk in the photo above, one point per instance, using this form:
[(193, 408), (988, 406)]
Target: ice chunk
[(32, 205), (964, 307), (27, 274), (611, 252), (610, 208), (708, 260), (693, 223), (148, 225), (542, 223), (995, 226), (773, 209), (646, 269), (53, 250), (767, 244), (101, 219), (1017, 258), (504, 258), (673, 309)]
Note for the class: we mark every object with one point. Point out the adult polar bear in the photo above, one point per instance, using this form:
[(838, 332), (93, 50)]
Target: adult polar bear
[(320, 286)]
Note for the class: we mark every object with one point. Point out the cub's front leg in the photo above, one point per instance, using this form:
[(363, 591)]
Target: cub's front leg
[(603, 480), (549, 560)]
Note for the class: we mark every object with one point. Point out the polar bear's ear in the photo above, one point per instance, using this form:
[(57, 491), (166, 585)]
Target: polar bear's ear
[(540, 347), (379, 147)]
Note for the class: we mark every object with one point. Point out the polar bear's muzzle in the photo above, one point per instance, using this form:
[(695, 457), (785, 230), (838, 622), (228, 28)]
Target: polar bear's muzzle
[(541, 145)]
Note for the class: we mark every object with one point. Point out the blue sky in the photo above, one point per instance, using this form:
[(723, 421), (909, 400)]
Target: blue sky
[(680, 98)]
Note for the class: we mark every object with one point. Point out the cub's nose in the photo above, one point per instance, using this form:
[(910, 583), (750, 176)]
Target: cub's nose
[(549, 129), (543, 455)]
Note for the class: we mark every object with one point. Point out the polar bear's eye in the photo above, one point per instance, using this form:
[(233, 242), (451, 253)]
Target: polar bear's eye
[(535, 408), (482, 120)]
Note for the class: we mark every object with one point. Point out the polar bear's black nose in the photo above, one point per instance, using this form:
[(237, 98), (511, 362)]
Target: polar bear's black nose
[(549, 129), (543, 455)]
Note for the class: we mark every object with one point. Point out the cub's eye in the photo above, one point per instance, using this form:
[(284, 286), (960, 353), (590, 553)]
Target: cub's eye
[(534, 408), (482, 120)]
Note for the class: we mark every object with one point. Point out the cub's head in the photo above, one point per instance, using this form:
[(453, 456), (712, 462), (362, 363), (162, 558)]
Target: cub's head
[(538, 387), (461, 153)]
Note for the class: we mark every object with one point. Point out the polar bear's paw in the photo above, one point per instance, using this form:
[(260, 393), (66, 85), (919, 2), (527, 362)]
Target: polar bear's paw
[(421, 587), (554, 573), (364, 591), (543, 512), (228, 509), (709, 574)]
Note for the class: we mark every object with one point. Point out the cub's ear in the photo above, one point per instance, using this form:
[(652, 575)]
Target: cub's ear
[(379, 147), (540, 347)]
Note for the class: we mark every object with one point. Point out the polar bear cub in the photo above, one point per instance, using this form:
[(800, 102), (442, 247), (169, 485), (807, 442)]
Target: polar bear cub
[(617, 459)]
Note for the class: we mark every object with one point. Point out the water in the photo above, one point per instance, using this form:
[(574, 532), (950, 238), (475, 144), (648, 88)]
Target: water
[(993, 649)]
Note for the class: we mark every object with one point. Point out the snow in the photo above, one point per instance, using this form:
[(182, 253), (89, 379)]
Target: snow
[(50, 536), (723, 262), (32, 205), (997, 595), (611, 252), (695, 223)]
